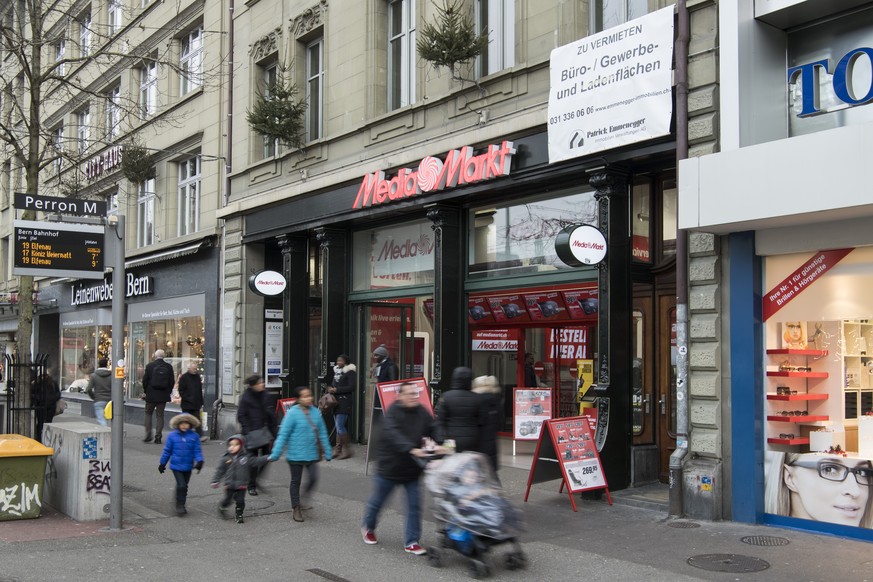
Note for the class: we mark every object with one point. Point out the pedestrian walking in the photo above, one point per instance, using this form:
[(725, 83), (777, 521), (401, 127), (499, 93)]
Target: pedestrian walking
[(304, 436), (258, 423), (191, 392), (343, 386), (99, 389), (489, 392), (157, 382), (182, 450), (400, 464), (458, 413), (233, 472)]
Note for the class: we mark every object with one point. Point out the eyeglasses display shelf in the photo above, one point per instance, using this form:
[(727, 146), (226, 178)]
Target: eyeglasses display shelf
[(794, 365)]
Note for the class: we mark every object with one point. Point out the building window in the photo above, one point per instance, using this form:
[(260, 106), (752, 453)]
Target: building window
[(113, 17), (189, 196), (113, 113), (145, 213), (5, 271), (60, 50), (83, 129), (401, 53), (314, 86), (191, 61), (113, 204), (58, 138), (85, 34), (498, 18), (270, 77), (608, 13), (148, 89)]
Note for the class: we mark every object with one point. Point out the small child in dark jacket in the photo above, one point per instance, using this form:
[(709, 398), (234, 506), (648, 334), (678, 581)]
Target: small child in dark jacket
[(234, 472), (183, 451)]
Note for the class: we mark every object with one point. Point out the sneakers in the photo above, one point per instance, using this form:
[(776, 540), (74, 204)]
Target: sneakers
[(180, 509), (239, 519), (369, 536), (253, 491), (415, 549)]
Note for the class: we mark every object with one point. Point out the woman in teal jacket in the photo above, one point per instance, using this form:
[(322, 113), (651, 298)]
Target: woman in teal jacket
[(304, 436)]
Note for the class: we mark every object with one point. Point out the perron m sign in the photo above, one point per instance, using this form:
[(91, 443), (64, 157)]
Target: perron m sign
[(55, 204)]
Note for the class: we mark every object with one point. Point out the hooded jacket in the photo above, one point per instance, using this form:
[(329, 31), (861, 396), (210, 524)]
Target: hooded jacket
[(234, 470), (346, 383), (100, 385), (458, 412), (298, 435), (182, 449), (254, 412)]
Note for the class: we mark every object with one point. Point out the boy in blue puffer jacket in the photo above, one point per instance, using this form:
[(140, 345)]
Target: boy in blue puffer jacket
[(183, 451)]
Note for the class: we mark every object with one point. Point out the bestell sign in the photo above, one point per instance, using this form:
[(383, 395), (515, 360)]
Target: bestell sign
[(458, 168)]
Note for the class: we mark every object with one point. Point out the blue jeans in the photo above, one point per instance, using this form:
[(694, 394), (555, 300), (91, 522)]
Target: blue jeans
[(98, 413), (384, 488), (341, 421)]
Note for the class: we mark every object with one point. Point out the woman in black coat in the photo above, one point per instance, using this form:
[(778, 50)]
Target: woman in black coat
[(458, 412), (254, 413), (489, 391), (344, 386)]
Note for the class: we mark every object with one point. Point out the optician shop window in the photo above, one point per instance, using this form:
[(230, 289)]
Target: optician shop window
[(519, 238), (393, 256), (818, 397)]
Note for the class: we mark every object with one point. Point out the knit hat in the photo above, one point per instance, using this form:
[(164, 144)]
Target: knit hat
[(237, 437), (381, 351), (180, 418)]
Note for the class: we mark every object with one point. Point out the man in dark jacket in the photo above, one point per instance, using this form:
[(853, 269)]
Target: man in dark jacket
[(386, 369), (100, 389), (399, 451), (458, 412), (191, 392), (157, 383), (44, 396), (255, 413)]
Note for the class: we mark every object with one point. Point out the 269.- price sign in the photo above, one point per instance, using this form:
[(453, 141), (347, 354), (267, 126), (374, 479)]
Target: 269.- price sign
[(58, 250)]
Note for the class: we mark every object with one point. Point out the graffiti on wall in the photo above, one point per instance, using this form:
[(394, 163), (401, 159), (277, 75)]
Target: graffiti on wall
[(98, 477)]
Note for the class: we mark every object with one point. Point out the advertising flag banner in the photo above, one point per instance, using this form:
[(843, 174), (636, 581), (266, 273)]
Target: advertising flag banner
[(798, 281), (613, 88)]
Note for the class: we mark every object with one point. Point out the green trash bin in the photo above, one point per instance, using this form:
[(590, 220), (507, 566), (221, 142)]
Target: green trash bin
[(22, 476)]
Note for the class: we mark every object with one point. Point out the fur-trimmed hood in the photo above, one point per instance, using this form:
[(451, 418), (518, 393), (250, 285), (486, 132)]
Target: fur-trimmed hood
[(180, 418), (349, 368), (486, 385)]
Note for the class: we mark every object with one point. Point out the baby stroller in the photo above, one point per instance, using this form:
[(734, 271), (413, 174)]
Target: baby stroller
[(473, 514)]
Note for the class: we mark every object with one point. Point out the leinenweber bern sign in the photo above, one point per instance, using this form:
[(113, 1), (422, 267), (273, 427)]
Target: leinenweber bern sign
[(24, 201)]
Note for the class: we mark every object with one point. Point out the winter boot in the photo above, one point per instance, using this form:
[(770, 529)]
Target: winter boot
[(239, 515), (338, 448), (345, 447), (298, 514), (180, 508)]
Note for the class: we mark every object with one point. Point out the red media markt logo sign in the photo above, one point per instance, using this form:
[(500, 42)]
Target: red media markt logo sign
[(458, 168)]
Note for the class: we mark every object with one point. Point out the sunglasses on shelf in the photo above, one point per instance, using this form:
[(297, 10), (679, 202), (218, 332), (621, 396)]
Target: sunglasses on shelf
[(785, 390), (793, 413), (790, 368), (786, 435)]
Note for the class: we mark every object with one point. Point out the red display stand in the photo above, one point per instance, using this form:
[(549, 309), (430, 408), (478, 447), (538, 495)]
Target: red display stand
[(283, 405), (566, 450)]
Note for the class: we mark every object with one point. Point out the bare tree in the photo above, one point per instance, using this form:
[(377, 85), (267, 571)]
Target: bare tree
[(54, 60)]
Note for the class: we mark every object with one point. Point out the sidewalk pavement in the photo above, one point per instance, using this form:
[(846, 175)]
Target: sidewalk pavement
[(598, 542)]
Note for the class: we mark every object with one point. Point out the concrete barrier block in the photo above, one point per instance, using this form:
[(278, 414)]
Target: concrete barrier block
[(78, 474)]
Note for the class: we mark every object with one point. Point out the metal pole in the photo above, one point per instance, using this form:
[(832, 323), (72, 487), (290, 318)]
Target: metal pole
[(118, 321)]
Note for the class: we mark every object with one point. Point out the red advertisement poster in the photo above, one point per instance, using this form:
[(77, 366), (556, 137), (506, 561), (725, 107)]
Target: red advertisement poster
[(577, 453), (581, 303), (508, 309), (530, 408), (797, 282), (569, 344), (387, 392), (479, 310), (546, 306)]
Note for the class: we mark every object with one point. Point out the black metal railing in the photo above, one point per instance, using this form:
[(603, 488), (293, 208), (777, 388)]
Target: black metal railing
[(29, 391)]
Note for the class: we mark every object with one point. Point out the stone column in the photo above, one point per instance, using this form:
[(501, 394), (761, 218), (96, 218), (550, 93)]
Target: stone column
[(448, 296)]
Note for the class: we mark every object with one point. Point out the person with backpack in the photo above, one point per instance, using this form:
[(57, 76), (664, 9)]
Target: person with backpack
[(157, 382)]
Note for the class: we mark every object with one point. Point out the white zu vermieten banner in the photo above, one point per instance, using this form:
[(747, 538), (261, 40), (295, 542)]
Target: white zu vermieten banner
[(612, 88)]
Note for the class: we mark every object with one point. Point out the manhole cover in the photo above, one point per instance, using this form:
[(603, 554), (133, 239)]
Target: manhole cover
[(683, 524), (765, 541), (733, 563)]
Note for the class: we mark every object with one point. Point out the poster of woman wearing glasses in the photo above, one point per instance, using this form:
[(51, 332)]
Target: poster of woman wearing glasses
[(794, 335), (820, 487)]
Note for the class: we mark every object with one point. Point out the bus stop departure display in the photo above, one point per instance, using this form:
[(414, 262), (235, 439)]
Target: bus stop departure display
[(58, 249)]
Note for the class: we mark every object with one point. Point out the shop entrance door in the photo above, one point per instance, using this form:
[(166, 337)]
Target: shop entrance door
[(389, 324), (666, 388), (557, 354)]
